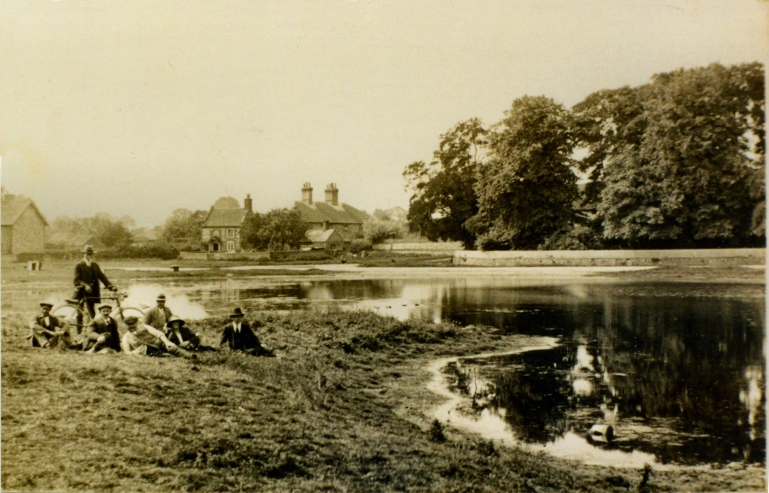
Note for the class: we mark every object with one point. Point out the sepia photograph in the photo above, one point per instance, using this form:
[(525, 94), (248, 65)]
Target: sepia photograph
[(383, 246)]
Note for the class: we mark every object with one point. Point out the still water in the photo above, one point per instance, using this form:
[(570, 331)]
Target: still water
[(677, 369)]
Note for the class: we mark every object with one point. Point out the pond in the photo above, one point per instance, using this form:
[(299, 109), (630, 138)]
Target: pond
[(676, 369)]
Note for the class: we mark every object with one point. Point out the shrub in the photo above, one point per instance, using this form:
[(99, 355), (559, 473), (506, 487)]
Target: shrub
[(359, 245), (152, 249)]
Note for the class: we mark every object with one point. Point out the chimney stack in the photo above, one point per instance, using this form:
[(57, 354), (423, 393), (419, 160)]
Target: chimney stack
[(332, 194), (247, 204), (307, 193)]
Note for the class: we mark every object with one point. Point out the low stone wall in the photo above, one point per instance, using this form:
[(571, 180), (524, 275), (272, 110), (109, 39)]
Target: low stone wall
[(432, 248), (224, 256), (193, 255), (529, 258)]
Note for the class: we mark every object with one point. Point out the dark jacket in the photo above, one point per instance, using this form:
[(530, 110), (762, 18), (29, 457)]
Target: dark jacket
[(40, 320), (89, 276), (241, 341), (152, 317), (187, 335), (101, 326)]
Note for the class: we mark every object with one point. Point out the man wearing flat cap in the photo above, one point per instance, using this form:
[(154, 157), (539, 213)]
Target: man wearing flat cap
[(101, 334), (87, 277), (238, 336), (159, 315), (46, 330)]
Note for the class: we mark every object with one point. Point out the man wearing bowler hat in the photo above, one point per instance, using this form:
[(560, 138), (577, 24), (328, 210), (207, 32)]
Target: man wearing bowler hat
[(87, 277), (46, 330), (238, 336), (159, 315)]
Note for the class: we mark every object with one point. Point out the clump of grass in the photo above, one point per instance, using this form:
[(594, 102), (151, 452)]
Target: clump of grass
[(436, 432)]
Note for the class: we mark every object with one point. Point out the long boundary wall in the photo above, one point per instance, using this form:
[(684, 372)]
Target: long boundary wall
[(521, 258)]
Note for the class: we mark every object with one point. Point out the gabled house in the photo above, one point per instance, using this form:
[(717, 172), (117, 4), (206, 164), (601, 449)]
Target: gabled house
[(220, 230), (345, 219), (23, 226)]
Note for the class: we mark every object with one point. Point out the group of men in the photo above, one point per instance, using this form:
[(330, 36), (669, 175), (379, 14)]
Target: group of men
[(159, 332)]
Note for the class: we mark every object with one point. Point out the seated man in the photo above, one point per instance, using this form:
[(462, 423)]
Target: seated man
[(238, 336), (143, 339), (101, 334), (158, 316), (180, 335), (46, 330)]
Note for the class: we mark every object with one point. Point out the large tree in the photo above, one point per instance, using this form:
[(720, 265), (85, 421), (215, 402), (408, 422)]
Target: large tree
[(443, 191), (183, 224), (679, 161), (273, 230), (527, 188)]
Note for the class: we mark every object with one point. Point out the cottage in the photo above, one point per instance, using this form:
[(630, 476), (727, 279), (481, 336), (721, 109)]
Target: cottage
[(23, 226), (325, 240), (220, 230), (345, 219)]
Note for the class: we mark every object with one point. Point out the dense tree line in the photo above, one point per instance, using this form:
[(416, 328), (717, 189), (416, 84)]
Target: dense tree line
[(677, 162)]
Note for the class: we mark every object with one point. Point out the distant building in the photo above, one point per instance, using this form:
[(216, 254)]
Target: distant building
[(220, 230), (75, 243), (345, 219), (325, 240), (23, 226)]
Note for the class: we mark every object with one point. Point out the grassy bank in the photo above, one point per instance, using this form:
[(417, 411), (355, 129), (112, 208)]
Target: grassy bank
[(342, 409)]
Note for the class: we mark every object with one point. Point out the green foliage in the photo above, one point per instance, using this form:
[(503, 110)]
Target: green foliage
[(153, 249), (377, 230), (273, 230), (359, 245), (527, 188), (444, 196), (183, 224), (113, 232), (679, 162), (575, 237)]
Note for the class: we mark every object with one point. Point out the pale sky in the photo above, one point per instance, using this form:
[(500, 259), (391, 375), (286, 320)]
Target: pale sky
[(142, 107)]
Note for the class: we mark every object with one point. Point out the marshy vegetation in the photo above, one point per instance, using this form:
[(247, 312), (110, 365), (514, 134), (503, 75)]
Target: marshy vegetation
[(344, 408)]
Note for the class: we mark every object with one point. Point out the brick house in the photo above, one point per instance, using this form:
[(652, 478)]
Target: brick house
[(23, 226), (345, 219), (220, 230)]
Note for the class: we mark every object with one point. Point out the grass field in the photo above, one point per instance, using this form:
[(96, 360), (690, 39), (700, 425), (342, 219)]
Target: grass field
[(342, 409)]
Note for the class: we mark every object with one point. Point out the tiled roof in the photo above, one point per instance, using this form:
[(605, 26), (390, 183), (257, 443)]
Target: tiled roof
[(13, 206), (70, 240), (319, 235), (318, 212), (224, 218)]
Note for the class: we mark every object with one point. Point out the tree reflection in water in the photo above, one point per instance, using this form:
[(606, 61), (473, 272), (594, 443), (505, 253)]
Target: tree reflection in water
[(678, 378)]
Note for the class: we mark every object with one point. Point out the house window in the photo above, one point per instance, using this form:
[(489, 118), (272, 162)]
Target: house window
[(231, 233), (230, 246)]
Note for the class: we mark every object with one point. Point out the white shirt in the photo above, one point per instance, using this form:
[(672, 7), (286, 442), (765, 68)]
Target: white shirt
[(87, 262), (236, 326)]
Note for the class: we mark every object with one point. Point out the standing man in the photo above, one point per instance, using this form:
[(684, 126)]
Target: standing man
[(46, 330), (158, 316), (238, 336), (102, 332), (87, 277)]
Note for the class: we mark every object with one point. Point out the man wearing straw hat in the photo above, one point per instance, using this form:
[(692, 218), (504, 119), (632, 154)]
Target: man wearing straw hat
[(238, 336), (87, 277), (146, 340), (181, 335), (46, 330)]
